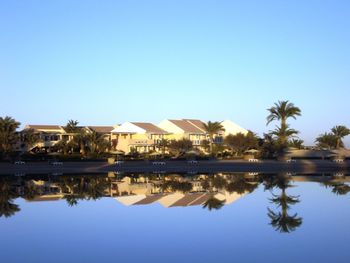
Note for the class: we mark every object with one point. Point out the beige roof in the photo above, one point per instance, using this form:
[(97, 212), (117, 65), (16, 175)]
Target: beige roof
[(43, 127), (186, 126), (188, 199), (149, 127), (149, 200), (198, 123), (101, 129), (42, 198)]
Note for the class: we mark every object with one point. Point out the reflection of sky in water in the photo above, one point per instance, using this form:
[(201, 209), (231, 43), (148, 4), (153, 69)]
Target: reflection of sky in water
[(97, 231)]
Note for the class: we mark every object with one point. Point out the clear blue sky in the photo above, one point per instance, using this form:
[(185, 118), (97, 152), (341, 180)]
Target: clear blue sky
[(106, 62)]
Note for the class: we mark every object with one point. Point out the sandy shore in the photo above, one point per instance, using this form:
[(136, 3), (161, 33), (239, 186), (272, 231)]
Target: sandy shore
[(268, 166)]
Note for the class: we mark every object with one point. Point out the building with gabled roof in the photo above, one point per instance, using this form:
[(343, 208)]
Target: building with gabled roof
[(232, 128), (49, 135), (185, 129), (138, 136), (102, 129)]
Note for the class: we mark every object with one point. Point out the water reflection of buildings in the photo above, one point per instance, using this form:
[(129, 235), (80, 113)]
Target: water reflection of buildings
[(168, 190), (145, 191), (178, 199), (171, 190)]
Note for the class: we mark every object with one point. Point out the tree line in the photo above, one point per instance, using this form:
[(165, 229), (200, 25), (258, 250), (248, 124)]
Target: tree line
[(270, 144)]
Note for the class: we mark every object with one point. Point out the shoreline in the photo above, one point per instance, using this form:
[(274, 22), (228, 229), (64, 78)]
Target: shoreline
[(265, 166)]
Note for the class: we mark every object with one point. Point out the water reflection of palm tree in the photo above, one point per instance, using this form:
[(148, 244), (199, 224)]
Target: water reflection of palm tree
[(213, 203), (212, 184), (338, 188), (7, 207), (282, 221), (240, 185), (82, 187), (71, 199), (29, 192)]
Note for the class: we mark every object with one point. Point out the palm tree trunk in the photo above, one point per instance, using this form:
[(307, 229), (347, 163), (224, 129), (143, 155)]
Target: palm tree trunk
[(211, 145)]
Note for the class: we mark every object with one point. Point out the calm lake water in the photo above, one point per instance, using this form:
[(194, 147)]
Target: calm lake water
[(175, 218)]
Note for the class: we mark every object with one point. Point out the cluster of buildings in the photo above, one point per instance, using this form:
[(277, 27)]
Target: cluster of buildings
[(138, 136)]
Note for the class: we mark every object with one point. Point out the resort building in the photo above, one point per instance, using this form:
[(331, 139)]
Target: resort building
[(49, 135), (138, 136), (104, 130), (185, 129), (232, 128)]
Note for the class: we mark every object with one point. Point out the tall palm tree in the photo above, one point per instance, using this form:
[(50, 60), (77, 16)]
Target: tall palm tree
[(340, 132), (8, 137), (282, 111), (212, 128)]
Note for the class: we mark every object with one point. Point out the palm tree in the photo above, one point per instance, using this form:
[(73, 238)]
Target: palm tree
[(282, 134), (213, 203), (163, 144), (29, 192), (65, 146), (81, 140), (327, 140), (240, 142), (180, 146), (240, 185), (30, 138), (8, 137), (338, 188), (71, 199), (281, 111), (212, 128), (282, 221), (269, 145), (7, 194), (72, 126), (296, 143), (97, 141), (340, 132)]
